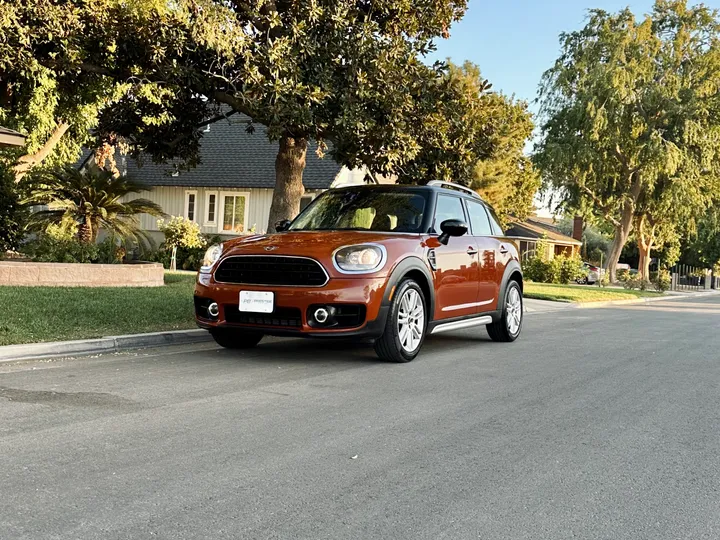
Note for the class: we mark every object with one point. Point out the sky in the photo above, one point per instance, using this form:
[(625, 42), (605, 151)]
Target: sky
[(515, 41)]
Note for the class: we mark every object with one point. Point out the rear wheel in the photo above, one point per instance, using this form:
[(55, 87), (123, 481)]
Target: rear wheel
[(405, 327), (508, 327), (235, 339)]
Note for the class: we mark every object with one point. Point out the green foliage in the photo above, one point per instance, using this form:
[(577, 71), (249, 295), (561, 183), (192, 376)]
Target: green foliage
[(505, 178), (181, 232), (661, 280), (560, 269), (632, 128), (45, 248), (12, 215), (92, 200)]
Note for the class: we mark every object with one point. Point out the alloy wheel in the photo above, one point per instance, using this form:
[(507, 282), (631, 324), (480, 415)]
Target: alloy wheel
[(411, 320), (514, 311)]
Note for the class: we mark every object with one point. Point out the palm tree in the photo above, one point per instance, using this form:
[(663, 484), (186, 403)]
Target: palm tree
[(92, 199)]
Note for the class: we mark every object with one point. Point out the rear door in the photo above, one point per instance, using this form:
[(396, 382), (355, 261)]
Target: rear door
[(488, 252), (456, 277)]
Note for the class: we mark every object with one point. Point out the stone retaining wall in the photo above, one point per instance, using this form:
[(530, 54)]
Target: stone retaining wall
[(80, 275)]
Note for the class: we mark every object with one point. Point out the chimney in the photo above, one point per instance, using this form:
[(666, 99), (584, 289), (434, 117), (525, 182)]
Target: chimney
[(578, 228)]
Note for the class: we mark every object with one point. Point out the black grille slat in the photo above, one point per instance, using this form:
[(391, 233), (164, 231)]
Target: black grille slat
[(281, 316), (271, 270)]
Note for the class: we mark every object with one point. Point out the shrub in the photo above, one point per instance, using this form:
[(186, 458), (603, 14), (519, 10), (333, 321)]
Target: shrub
[(561, 269), (181, 233), (13, 215), (662, 280), (45, 248)]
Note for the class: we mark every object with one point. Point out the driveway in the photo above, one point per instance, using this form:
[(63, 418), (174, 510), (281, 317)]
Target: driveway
[(596, 424)]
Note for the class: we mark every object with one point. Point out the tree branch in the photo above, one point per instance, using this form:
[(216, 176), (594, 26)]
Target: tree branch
[(605, 210), (28, 161)]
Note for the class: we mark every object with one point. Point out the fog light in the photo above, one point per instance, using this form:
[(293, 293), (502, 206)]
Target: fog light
[(321, 315), (213, 310)]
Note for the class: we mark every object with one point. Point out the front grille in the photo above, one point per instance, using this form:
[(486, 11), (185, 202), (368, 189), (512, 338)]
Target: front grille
[(271, 270), (281, 316)]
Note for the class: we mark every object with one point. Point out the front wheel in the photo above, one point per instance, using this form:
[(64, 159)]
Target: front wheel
[(235, 339), (406, 324), (507, 328)]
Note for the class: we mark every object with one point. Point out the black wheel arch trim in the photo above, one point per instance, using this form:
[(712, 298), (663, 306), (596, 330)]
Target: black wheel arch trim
[(401, 270), (512, 267)]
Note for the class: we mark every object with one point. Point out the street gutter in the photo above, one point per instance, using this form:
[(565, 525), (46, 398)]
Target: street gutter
[(104, 345)]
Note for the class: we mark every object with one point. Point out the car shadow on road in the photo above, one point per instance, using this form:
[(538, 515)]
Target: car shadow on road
[(315, 351)]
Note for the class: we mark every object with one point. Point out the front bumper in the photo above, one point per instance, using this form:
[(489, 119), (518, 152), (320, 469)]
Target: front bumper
[(367, 292)]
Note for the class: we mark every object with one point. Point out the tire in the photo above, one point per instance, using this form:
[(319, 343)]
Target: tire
[(396, 345), (582, 281), (236, 339), (508, 328)]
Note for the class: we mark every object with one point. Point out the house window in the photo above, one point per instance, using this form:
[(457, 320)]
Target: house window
[(211, 199), (234, 213), (305, 200), (190, 204)]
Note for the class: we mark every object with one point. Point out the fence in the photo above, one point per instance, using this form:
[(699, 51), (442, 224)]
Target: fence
[(690, 278)]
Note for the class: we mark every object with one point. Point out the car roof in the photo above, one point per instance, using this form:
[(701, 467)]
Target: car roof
[(433, 187)]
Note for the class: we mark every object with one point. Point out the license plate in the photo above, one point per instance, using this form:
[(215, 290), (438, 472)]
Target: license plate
[(257, 301)]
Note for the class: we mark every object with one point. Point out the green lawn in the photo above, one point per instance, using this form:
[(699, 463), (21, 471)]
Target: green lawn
[(576, 293), (34, 314)]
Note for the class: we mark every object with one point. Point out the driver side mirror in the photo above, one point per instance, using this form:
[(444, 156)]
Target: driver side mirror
[(282, 225), (452, 227)]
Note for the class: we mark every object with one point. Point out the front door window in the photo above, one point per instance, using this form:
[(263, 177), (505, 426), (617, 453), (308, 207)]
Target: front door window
[(234, 213)]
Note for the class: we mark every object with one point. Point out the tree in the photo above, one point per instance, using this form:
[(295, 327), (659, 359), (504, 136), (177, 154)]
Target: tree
[(504, 176), (180, 232), (631, 125), (348, 74), (92, 199), (12, 215), (55, 104)]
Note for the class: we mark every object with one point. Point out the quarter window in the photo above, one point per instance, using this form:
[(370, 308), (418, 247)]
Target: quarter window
[(448, 207), (479, 219)]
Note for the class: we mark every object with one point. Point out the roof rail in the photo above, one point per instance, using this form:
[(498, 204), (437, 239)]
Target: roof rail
[(456, 187)]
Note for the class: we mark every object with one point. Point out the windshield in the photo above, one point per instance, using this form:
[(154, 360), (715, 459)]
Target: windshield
[(363, 209)]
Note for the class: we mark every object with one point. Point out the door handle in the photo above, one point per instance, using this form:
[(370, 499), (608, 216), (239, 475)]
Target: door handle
[(472, 251), (503, 249)]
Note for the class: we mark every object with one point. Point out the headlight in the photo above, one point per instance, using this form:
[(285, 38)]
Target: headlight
[(211, 256), (360, 259)]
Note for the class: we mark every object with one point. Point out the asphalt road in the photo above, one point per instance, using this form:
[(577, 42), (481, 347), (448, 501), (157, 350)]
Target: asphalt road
[(597, 423)]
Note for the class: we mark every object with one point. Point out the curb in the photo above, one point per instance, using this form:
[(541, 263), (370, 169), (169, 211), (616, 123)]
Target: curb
[(590, 305), (110, 344)]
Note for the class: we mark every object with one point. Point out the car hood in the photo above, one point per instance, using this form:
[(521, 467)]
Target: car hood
[(316, 244)]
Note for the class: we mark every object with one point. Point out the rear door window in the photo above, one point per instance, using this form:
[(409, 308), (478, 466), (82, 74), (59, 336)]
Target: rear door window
[(479, 220)]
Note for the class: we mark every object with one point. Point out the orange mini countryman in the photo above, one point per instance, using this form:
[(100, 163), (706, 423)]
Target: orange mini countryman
[(386, 263)]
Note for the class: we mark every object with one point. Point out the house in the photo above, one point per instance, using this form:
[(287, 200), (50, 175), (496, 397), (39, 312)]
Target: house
[(231, 190), (528, 233), (8, 137)]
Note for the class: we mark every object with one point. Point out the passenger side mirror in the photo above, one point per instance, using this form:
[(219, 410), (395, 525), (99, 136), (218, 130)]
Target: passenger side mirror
[(452, 227), (282, 225)]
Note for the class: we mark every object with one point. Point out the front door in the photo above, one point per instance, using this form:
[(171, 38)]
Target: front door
[(488, 248), (456, 277)]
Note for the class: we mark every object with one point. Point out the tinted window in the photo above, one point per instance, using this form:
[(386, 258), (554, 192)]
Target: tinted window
[(479, 219), (495, 222), (363, 209), (448, 207)]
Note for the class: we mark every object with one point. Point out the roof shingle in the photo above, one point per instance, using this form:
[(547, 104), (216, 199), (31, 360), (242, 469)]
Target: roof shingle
[(231, 157)]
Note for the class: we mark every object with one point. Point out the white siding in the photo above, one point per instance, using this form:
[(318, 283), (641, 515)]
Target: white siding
[(172, 200)]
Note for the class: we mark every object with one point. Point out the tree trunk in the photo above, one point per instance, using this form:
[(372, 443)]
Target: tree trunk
[(289, 166), (85, 232), (623, 227), (645, 249), (28, 161)]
